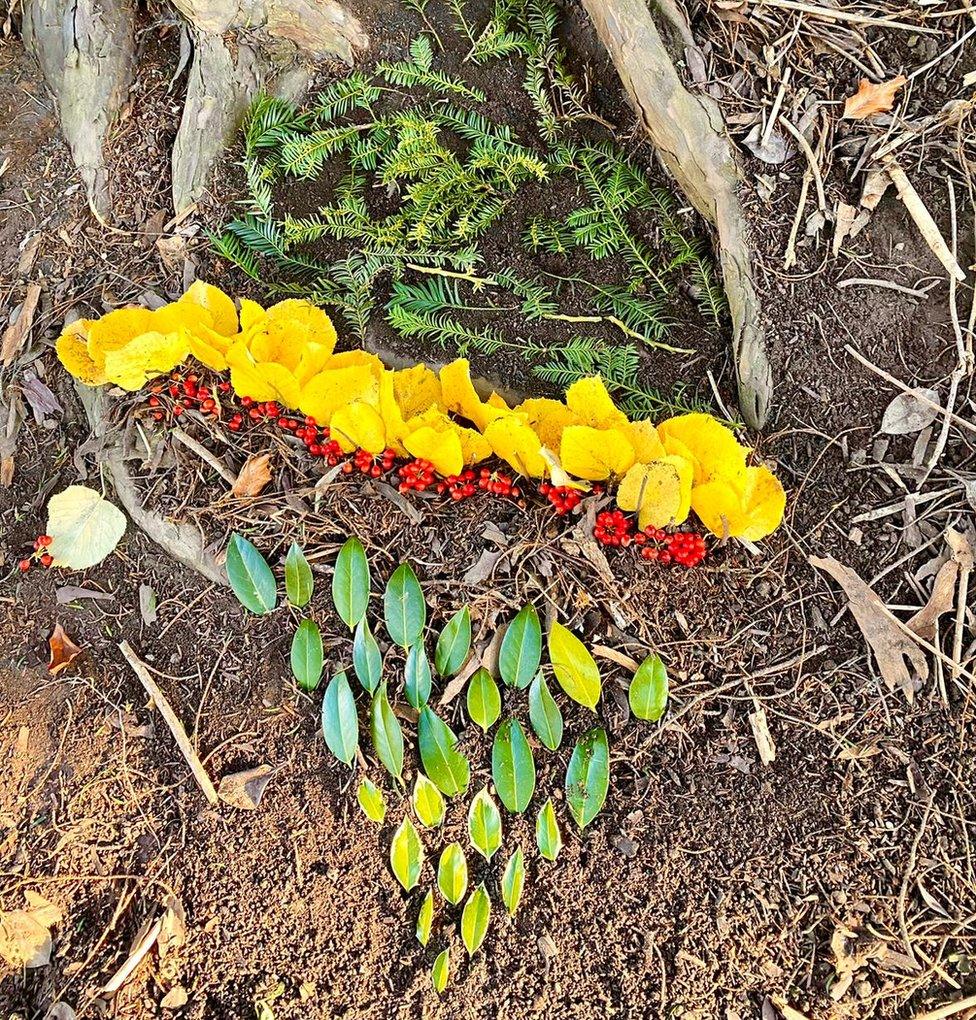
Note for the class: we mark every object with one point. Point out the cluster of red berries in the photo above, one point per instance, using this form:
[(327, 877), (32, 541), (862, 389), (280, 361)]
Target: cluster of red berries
[(40, 553), (366, 463), (563, 498), (416, 475), (318, 441), (498, 483), (460, 486), (186, 394), (686, 548), (613, 528)]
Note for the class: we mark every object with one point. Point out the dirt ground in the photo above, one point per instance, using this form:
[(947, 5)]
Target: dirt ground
[(836, 881)]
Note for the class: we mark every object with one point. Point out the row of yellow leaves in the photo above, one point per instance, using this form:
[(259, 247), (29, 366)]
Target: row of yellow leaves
[(287, 353)]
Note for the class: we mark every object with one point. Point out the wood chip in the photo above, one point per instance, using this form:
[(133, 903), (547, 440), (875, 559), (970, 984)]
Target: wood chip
[(760, 732)]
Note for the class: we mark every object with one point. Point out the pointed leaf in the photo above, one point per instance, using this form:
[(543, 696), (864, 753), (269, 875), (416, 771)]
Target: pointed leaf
[(485, 825), (407, 855), (340, 724), (588, 776), (306, 655), (521, 650), (425, 919), (404, 608), (547, 835), (366, 658), (454, 643), (648, 694), (372, 801), (298, 577), (512, 766), (575, 669), (386, 733), (544, 714), (417, 677), (446, 766), (350, 582), (484, 700), (513, 881), (250, 576), (452, 873), (427, 802), (474, 920), (441, 971)]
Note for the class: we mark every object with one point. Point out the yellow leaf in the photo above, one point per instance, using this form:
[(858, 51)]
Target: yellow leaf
[(593, 405), (115, 330), (311, 323), (356, 359), (281, 382), (251, 314), (645, 440), (84, 527), (460, 397), (356, 425), (72, 348), (389, 409), (511, 439), (751, 511), (713, 448), (313, 359), (442, 449), (547, 418), (218, 304), (498, 402), (474, 446), (333, 388), (416, 389), (558, 475), (659, 491), (144, 357), (175, 316), (595, 454), (210, 348)]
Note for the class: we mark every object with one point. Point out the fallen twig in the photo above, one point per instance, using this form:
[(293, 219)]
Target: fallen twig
[(856, 19), (205, 455), (136, 957), (949, 1009)]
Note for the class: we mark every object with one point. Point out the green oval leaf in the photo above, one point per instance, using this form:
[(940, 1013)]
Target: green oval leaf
[(512, 766), (547, 835), (372, 801), (588, 776), (366, 658), (447, 767), (427, 802), (454, 643), (544, 714), (441, 971), (407, 855), (404, 608), (474, 920), (306, 655), (425, 919), (417, 677), (298, 577), (575, 669), (521, 650), (648, 694), (485, 825), (350, 582), (484, 700), (452, 873), (386, 733), (340, 724), (250, 576), (513, 881)]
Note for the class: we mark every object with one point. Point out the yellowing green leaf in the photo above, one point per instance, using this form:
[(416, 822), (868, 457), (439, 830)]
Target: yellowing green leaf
[(474, 920), (452, 873), (83, 526), (485, 825), (588, 776), (425, 918), (428, 804), (483, 700), (372, 801), (513, 881), (648, 693), (574, 667), (407, 855), (547, 835), (440, 972)]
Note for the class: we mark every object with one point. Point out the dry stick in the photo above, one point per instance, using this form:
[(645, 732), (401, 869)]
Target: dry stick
[(135, 958), (777, 103), (205, 455), (864, 281), (811, 159), (176, 727), (856, 19), (790, 258), (949, 1009)]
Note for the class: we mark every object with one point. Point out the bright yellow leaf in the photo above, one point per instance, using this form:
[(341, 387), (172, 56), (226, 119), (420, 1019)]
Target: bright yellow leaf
[(659, 491), (282, 382), (176, 316), (474, 446), (460, 396), (593, 404), (391, 414), (547, 418), (645, 440), (416, 389), (713, 448), (356, 425), (442, 449), (511, 439), (116, 329), (595, 454), (72, 348), (311, 324), (333, 388), (313, 359), (356, 359), (558, 475), (751, 511), (251, 314), (145, 357), (497, 401), (220, 306), (210, 348)]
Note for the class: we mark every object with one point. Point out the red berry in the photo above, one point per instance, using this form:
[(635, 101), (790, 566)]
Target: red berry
[(47, 559), (44, 540), (24, 565)]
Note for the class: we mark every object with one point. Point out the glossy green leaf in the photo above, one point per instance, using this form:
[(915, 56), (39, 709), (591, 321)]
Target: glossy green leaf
[(417, 681), (452, 873), (350, 582), (547, 835), (474, 920), (544, 714), (512, 766), (250, 576), (407, 855), (340, 723), (648, 694), (298, 577), (575, 669), (366, 658), (485, 825), (454, 643), (483, 699), (441, 971), (306, 655), (588, 776), (384, 729), (447, 767), (372, 801), (521, 650), (428, 804), (404, 608), (425, 919), (513, 881)]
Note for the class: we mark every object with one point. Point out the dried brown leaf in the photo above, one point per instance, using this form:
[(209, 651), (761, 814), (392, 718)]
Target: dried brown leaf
[(245, 789), (871, 99), (254, 476), (16, 334), (63, 650), (941, 600), (25, 935)]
